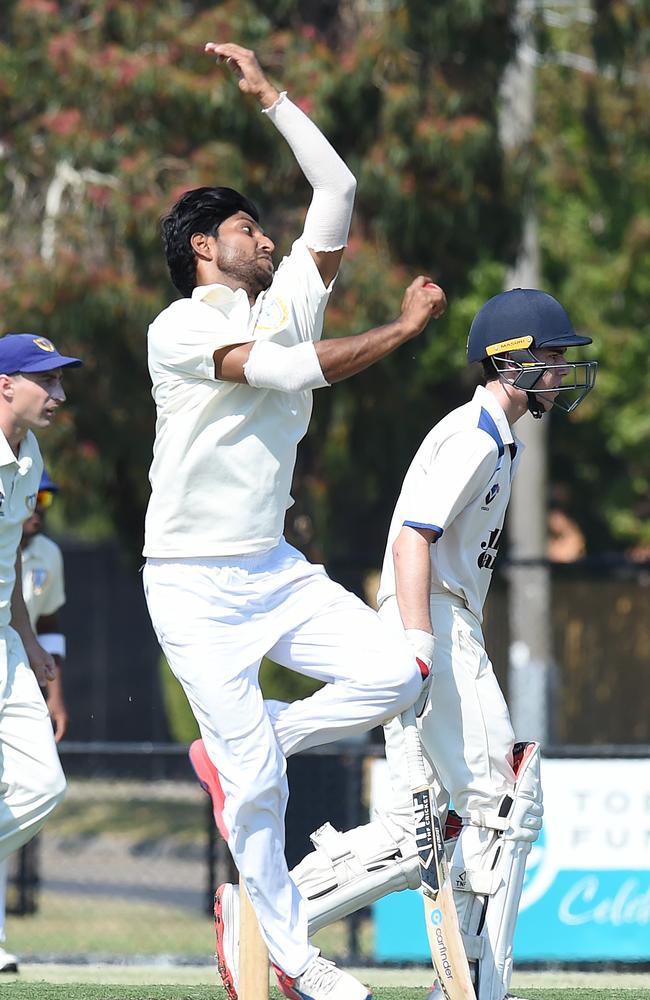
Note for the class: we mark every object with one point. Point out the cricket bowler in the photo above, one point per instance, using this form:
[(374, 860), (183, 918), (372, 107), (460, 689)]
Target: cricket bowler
[(233, 364)]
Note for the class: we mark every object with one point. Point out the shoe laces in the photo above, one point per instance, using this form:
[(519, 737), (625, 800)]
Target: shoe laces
[(321, 975)]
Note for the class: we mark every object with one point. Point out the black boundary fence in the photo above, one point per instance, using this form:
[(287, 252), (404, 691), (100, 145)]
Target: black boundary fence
[(600, 634)]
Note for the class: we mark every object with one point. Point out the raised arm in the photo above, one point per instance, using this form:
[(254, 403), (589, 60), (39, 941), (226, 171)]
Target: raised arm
[(328, 219)]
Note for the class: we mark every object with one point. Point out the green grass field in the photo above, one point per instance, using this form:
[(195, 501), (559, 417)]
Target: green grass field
[(69, 926), (92, 991), (114, 982)]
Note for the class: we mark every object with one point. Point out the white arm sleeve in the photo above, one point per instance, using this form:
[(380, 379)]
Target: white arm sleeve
[(287, 369), (328, 219)]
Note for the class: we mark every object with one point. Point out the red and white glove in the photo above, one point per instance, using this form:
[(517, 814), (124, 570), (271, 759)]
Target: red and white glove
[(422, 644)]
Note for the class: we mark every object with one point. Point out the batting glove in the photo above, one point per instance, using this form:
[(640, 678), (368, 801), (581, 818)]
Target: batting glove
[(422, 643)]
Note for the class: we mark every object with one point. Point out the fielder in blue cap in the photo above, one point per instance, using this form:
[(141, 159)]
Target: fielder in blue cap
[(31, 373), (31, 370)]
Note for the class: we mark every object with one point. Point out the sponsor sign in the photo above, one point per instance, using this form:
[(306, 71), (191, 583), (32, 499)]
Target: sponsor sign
[(586, 895)]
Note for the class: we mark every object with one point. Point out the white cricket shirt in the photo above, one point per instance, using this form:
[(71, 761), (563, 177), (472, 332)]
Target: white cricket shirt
[(43, 582), (19, 479), (459, 484), (224, 452)]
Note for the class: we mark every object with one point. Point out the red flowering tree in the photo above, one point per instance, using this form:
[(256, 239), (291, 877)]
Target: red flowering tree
[(109, 110)]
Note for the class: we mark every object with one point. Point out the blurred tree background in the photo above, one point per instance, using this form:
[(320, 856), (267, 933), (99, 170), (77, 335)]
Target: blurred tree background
[(110, 109)]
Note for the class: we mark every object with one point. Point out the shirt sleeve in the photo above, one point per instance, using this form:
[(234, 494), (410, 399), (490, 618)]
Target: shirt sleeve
[(443, 485), (299, 291), (184, 338)]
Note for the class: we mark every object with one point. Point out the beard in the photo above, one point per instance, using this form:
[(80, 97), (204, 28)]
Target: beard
[(253, 274)]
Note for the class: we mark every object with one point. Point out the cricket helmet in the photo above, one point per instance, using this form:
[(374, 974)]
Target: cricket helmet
[(509, 328)]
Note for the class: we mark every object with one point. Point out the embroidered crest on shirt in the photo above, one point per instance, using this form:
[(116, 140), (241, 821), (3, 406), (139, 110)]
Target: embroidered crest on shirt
[(273, 316), (30, 502), (39, 580)]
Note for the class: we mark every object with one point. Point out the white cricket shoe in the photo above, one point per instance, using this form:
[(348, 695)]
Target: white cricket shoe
[(321, 980), (226, 919), (8, 962)]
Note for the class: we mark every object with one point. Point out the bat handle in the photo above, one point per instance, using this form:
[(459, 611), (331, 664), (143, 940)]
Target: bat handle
[(413, 749)]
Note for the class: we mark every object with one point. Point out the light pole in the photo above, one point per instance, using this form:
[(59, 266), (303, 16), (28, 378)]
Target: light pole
[(529, 585)]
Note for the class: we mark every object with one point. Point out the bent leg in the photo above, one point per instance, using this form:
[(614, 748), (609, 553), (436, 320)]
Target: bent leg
[(32, 780), (369, 671)]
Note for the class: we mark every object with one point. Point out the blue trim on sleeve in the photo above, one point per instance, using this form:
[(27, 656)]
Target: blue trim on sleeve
[(487, 424), (420, 524)]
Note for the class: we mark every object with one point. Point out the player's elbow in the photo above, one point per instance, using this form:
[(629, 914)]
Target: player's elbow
[(402, 545), (348, 185)]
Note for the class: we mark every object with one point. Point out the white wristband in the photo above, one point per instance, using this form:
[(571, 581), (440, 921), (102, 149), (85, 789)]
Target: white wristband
[(328, 219), (53, 642), (287, 369)]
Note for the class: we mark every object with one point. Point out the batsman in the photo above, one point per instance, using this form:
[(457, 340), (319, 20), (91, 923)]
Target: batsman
[(442, 545), (233, 364)]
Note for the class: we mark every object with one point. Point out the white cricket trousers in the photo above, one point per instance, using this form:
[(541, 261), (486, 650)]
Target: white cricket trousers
[(32, 782), (465, 729), (215, 620)]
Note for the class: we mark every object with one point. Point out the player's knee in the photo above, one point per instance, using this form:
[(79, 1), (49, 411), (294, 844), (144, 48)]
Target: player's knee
[(395, 685), (262, 790), (54, 785), (59, 788), (51, 785), (407, 682)]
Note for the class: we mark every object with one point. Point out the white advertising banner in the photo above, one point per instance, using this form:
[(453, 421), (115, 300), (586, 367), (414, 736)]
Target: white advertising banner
[(587, 891)]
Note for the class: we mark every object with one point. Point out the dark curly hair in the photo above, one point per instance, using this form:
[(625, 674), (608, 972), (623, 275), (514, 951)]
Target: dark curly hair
[(199, 211)]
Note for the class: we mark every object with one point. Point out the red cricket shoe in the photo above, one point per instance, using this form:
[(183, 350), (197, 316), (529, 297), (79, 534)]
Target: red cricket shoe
[(208, 777)]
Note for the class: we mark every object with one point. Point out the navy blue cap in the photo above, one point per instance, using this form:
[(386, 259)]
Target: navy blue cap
[(47, 484), (518, 319), (28, 352)]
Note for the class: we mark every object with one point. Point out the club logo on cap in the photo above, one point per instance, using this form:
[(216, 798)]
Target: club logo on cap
[(44, 344)]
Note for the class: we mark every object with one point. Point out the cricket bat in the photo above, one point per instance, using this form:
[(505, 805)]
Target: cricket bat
[(443, 931), (253, 955)]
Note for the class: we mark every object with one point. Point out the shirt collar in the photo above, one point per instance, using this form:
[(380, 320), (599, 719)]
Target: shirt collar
[(230, 302), (487, 400), (24, 461), (219, 296)]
